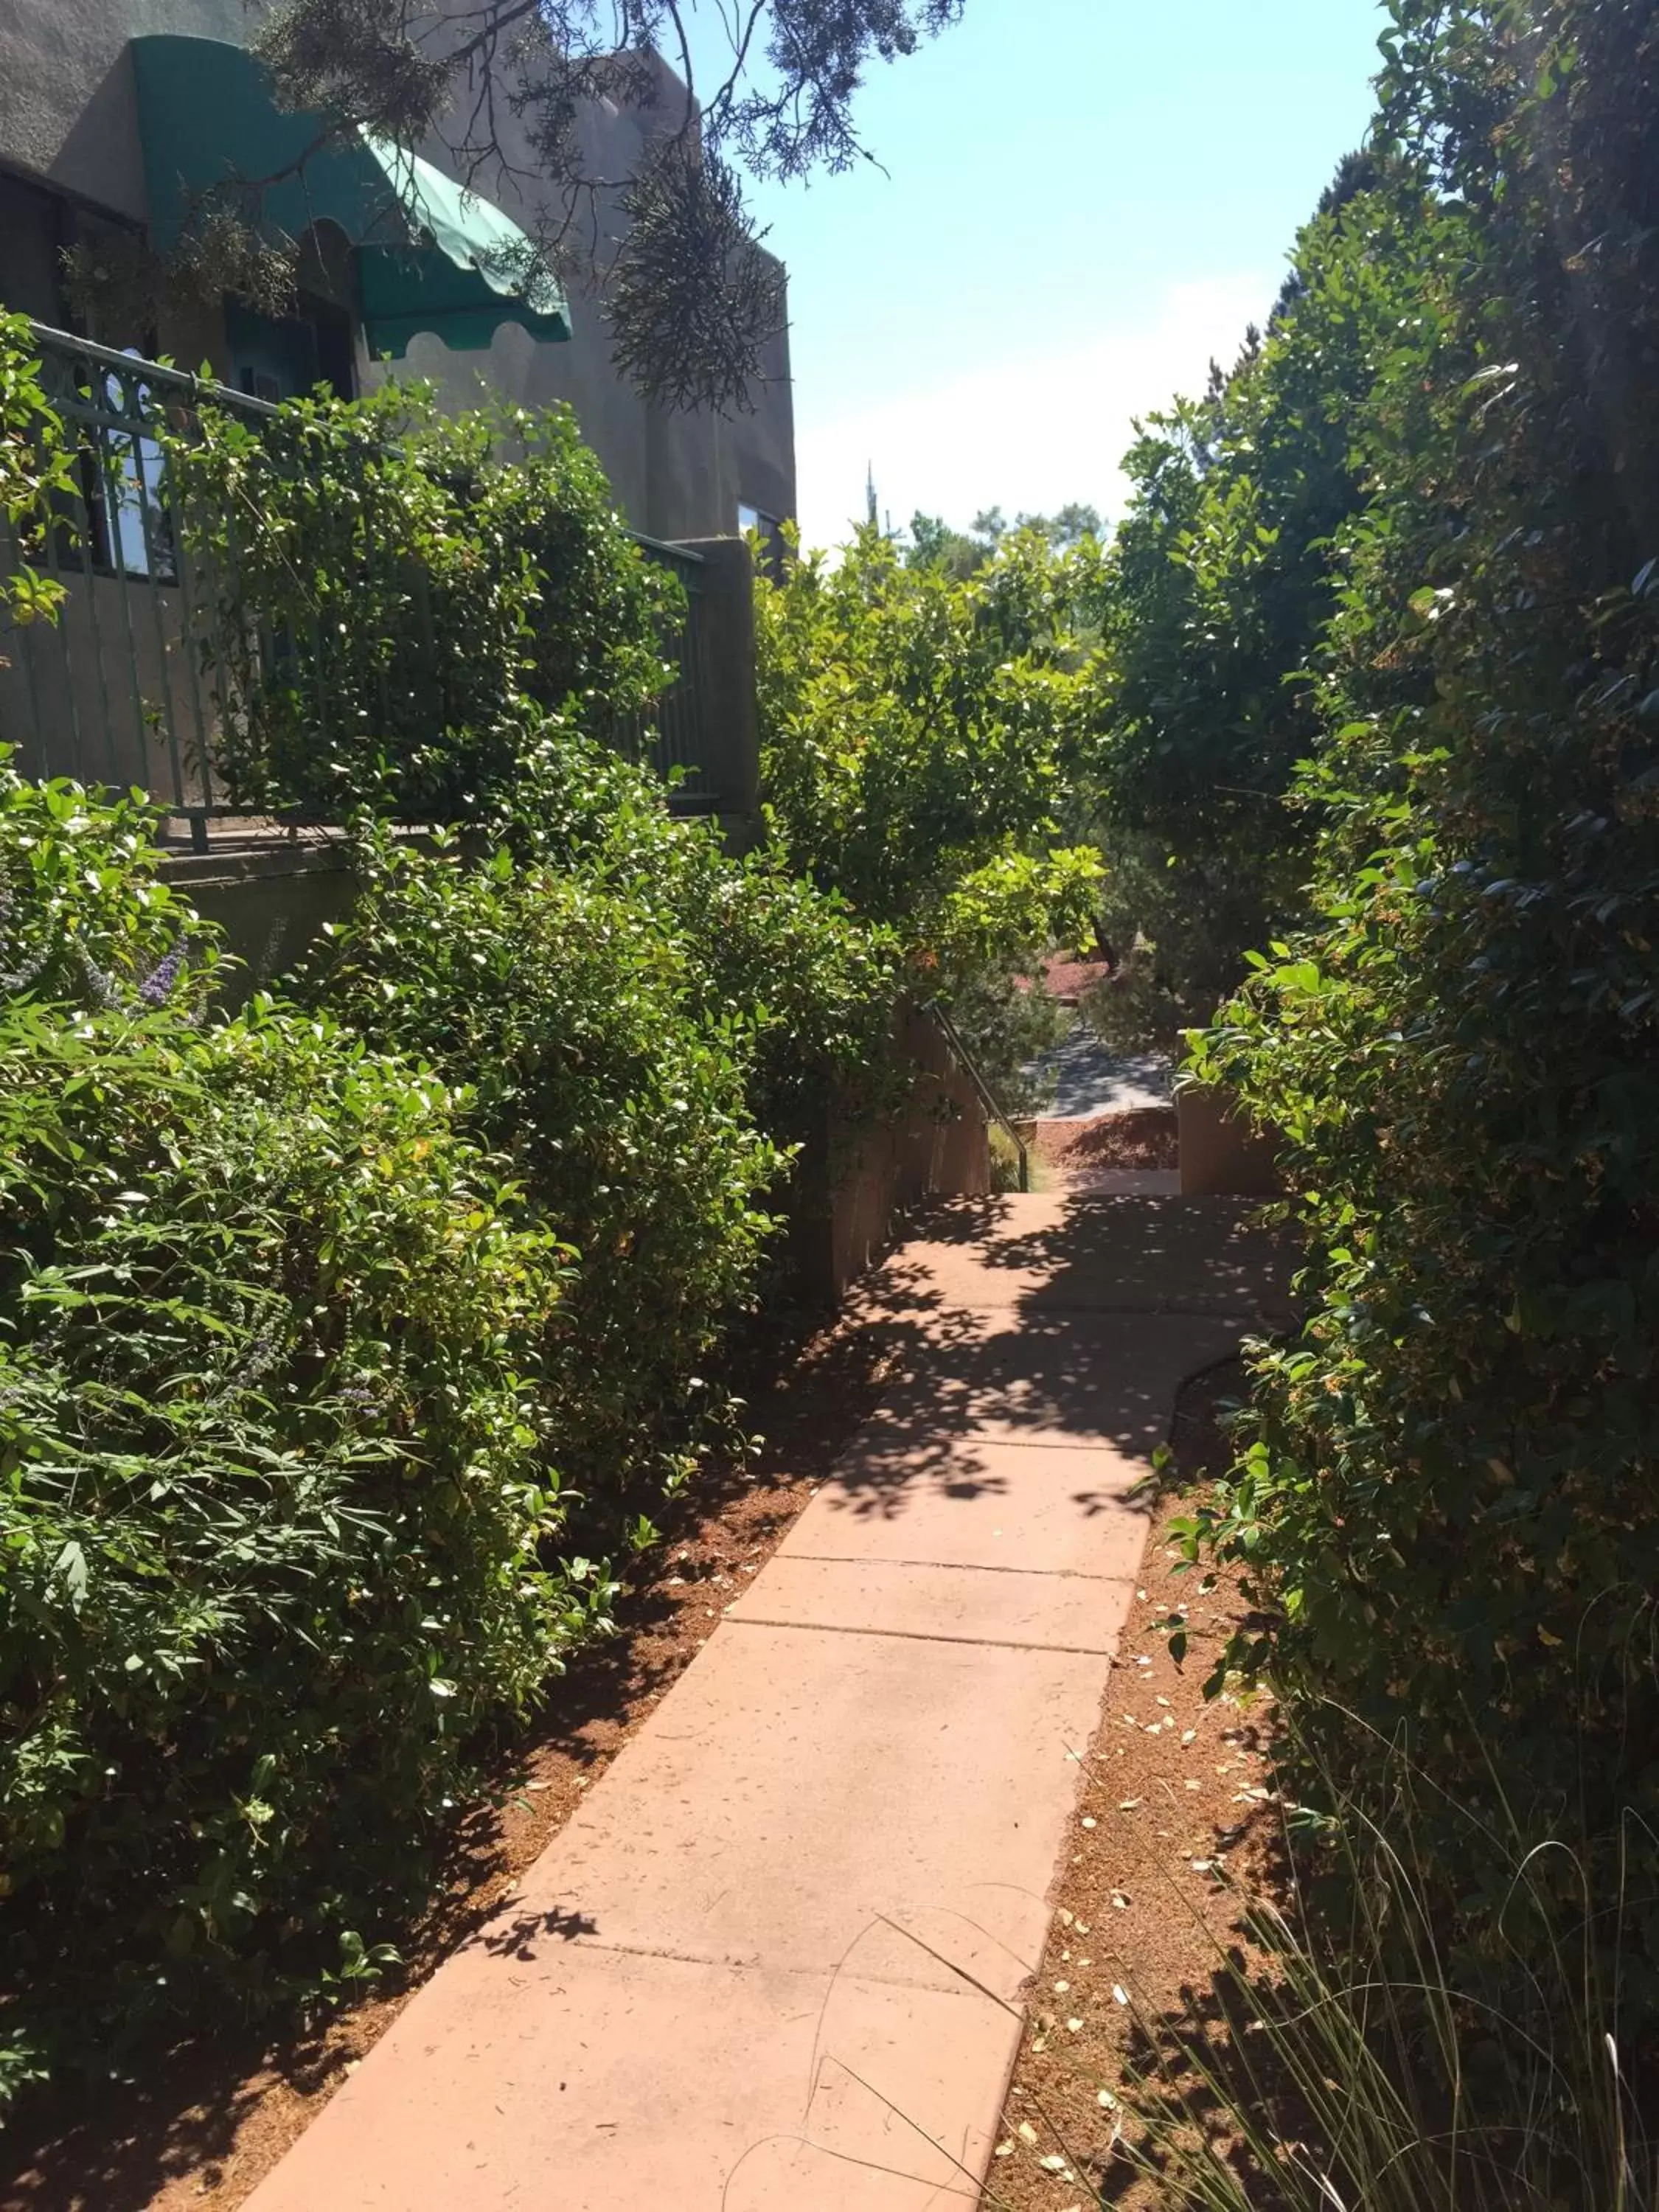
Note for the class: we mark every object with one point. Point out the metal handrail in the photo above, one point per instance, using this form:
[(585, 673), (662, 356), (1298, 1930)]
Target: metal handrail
[(987, 1097), (677, 555), (154, 372)]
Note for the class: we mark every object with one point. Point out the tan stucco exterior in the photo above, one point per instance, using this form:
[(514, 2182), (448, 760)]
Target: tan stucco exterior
[(69, 120)]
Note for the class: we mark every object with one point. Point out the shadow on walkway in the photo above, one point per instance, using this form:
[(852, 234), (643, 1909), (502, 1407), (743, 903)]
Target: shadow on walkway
[(1067, 1319)]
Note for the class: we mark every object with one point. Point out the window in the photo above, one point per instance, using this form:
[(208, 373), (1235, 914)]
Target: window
[(137, 525), (769, 531), (119, 520), (35, 227), (278, 357)]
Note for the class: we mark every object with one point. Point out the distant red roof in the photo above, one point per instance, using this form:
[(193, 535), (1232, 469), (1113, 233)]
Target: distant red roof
[(1067, 978)]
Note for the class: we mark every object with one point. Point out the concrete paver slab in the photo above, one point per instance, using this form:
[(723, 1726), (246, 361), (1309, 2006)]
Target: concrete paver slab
[(1091, 1252), (1066, 1612), (890, 2128), (1066, 1379), (795, 1787), (1124, 1182), (981, 1503), (534, 2082)]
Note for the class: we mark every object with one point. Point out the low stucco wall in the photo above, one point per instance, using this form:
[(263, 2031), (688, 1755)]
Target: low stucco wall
[(272, 902), (857, 1180), (1222, 1152)]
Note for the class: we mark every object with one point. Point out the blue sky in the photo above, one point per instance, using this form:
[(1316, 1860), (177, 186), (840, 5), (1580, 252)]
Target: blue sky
[(1085, 199)]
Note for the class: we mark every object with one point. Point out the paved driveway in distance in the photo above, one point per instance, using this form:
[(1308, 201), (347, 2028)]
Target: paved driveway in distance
[(1090, 1077)]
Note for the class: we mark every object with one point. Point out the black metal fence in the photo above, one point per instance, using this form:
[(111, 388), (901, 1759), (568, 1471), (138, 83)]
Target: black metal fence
[(672, 733), (123, 690)]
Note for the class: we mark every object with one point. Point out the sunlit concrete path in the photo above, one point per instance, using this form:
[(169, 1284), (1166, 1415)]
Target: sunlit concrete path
[(774, 1961)]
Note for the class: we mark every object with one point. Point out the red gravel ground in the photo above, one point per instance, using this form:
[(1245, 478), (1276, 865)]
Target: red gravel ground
[(1175, 1800), (1068, 978), (1143, 1138)]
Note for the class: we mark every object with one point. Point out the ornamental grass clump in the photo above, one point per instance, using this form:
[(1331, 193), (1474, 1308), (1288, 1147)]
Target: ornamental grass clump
[(1337, 2056)]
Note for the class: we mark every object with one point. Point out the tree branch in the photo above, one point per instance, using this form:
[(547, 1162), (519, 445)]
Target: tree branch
[(401, 69)]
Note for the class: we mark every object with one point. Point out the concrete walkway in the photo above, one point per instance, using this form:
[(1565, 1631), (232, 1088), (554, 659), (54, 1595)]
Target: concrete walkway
[(774, 1962), (1090, 1077)]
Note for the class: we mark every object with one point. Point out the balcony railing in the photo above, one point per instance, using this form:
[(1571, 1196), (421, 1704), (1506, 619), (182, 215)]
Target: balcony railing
[(122, 690), (673, 733)]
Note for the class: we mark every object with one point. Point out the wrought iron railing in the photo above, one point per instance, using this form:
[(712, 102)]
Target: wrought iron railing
[(937, 1013), (123, 690), (113, 692), (671, 733)]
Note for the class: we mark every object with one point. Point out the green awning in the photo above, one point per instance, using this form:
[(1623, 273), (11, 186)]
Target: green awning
[(431, 254)]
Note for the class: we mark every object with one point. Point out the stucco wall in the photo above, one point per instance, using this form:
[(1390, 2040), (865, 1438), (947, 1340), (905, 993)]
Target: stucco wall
[(855, 1180), (676, 474), (67, 110), (1222, 1152), (68, 115)]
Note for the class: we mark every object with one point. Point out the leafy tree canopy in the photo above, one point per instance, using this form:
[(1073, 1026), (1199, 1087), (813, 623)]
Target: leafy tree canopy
[(1221, 580), (934, 543), (917, 735)]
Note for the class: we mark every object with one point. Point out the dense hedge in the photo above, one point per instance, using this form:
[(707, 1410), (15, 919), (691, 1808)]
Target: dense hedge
[(1217, 587), (278, 1516), (810, 981), (343, 1340), (1451, 1507), (559, 1002), (385, 584), (318, 1325)]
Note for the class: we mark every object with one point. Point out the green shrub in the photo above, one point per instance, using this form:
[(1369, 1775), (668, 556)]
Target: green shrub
[(1180, 923), (811, 982), (386, 583), (280, 1528), (319, 1325), (36, 463), (1010, 1021), (578, 1024), (1449, 1509), (917, 734)]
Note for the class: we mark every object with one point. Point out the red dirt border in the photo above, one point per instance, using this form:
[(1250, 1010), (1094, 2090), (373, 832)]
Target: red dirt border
[(1174, 1797)]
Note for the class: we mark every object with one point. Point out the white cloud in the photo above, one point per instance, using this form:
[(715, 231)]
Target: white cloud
[(1027, 431)]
